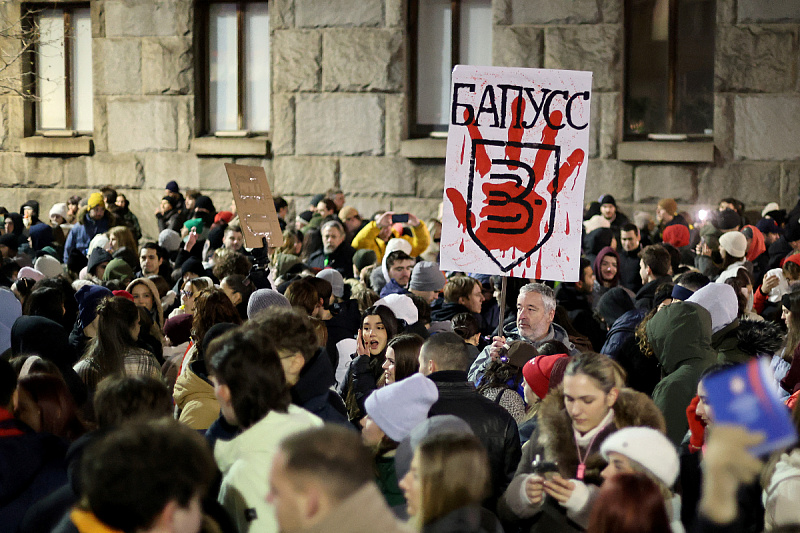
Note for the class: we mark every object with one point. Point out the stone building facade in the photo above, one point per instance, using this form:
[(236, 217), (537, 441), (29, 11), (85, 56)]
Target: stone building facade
[(340, 76)]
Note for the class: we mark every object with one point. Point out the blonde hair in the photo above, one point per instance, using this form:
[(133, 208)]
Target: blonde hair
[(124, 237), (453, 472)]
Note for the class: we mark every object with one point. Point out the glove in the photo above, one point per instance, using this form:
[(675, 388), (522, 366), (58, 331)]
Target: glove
[(696, 426)]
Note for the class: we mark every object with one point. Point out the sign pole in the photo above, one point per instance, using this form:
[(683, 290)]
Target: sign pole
[(502, 304)]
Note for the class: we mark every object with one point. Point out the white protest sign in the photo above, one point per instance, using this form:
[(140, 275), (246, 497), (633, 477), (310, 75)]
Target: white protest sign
[(517, 149)]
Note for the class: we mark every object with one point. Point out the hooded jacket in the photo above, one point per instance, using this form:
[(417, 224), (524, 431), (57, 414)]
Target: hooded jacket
[(554, 441), (82, 233), (783, 492), (313, 391), (194, 396), (369, 239), (680, 335)]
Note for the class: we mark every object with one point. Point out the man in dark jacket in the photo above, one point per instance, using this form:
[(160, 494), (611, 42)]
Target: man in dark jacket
[(308, 369), (444, 359), (654, 268), (575, 298), (462, 294), (335, 253), (630, 244)]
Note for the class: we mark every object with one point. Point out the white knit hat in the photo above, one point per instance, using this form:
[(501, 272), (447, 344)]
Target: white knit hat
[(648, 447), (402, 306), (734, 242), (399, 407)]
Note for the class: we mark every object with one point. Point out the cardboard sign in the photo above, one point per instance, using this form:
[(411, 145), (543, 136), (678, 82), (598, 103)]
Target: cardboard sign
[(517, 149), (254, 205)]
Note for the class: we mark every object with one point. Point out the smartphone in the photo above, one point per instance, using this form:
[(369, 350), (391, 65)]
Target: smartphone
[(543, 468), (401, 218)]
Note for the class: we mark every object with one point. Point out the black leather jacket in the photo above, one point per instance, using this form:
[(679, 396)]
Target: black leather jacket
[(492, 424)]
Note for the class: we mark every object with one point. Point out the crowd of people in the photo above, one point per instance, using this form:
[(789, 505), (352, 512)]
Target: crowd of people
[(343, 382)]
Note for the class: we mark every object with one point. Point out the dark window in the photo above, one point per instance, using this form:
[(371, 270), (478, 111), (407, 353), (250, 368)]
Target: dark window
[(444, 33), (670, 68)]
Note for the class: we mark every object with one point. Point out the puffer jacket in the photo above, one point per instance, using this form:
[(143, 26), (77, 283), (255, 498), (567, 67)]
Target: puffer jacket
[(82, 233), (554, 441), (492, 424), (194, 397), (623, 329), (680, 335), (743, 339), (783, 492)]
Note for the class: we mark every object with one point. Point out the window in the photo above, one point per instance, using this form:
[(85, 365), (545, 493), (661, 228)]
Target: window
[(670, 68), (445, 33), (237, 67), (62, 65)]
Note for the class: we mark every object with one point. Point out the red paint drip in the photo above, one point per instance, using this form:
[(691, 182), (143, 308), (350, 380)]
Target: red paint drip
[(461, 246), (482, 162), (559, 252), (460, 209), (528, 262), (546, 227), (463, 144), (566, 231), (539, 267)]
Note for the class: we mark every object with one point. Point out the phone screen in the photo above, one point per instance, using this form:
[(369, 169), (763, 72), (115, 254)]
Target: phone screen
[(403, 218)]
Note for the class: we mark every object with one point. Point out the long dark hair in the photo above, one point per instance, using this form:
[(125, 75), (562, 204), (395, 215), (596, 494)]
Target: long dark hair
[(499, 374), (114, 338), (388, 319), (406, 347), (793, 326), (211, 306)]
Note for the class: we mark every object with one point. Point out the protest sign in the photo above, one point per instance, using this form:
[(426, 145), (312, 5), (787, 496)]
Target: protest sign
[(515, 172), (254, 205)]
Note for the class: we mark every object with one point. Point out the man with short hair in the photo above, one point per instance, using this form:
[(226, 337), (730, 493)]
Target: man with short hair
[(654, 269), (630, 242), (281, 209), (335, 253), (322, 481), (398, 266), (576, 299), (250, 384), (536, 307), (233, 238), (462, 294), (92, 219), (151, 260), (444, 359), (307, 368), (144, 477), (608, 208)]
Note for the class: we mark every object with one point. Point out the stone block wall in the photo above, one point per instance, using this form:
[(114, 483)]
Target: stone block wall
[(340, 87)]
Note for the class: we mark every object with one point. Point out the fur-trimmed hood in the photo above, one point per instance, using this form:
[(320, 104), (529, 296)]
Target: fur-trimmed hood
[(556, 437), (759, 337)]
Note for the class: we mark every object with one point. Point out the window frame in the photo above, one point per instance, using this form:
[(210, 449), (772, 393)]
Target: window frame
[(30, 76), (672, 68), (203, 70)]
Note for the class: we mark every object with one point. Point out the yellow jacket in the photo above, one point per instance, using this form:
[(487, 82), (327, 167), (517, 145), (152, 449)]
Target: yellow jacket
[(368, 239)]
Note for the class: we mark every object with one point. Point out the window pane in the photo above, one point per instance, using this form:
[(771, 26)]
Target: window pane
[(475, 44), (694, 67), (433, 62), (222, 68), (51, 106), (82, 70), (257, 67), (648, 67)]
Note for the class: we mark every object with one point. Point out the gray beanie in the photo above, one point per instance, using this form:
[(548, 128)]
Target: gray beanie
[(264, 299), (170, 240), (334, 277), (399, 407), (435, 425), (426, 276)]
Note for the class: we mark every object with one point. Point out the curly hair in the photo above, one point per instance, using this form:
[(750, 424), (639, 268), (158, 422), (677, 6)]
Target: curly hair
[(228, 262), (212, 306)]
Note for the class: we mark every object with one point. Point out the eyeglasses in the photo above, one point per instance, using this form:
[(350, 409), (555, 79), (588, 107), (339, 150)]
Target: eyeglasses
[(188, 294)]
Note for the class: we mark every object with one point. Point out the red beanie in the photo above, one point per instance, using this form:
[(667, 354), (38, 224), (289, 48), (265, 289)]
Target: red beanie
[(537, 372), (123, 294), (677, 235)]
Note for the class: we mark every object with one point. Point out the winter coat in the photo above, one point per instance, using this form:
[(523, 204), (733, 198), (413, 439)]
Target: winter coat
[(554, 441), (629, 269), (194, 397), (369, 239), (492, 424), (364, 511), (343, 324), (32, 465), (646, 295), (471, 519), (359, 382), (313, 391), (245, 463), (783, 492), (172, 219), (341, 259), (743, 339), (680, 335), (82, 233), (621, 330), (579, 310), (511, 333), (442, 313)]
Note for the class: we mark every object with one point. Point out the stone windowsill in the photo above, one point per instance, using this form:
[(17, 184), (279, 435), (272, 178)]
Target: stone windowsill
[(667, 151), (40, 145), (426, 148), (231, 146)]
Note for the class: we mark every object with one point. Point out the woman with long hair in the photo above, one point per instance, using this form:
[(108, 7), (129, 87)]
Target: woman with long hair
[(191, 288), (113, 351), (785, 365), (145, 294), (629, 503), (402, 358), (46, 405), (448, 479), (560, 468), (378, 327), (121, 237)]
